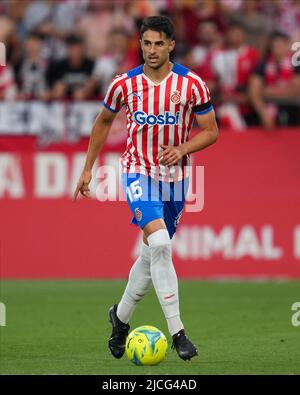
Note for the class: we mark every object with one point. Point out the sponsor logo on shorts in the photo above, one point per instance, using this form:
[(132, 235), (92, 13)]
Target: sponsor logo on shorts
[(138, 214)]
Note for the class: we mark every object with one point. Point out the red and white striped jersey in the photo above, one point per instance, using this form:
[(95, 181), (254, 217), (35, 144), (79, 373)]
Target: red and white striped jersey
[(157, 114)]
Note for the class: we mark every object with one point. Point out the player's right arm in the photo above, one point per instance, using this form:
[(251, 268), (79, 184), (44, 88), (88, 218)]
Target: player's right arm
[(98, 137), (113, 102)]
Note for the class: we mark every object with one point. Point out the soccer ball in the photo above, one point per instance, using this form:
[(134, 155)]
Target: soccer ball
[(146, 345)]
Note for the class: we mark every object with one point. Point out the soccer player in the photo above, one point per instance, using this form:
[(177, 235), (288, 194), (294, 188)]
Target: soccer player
[(161, 100)]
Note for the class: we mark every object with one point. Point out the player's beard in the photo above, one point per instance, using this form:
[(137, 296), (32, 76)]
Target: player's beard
[(158, 65)]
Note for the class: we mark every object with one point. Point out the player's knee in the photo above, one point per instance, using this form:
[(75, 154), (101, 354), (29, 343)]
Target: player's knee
[(145, 255), (159, 240), (160, 246)]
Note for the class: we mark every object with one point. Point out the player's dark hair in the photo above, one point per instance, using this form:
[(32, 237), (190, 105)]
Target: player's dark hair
[(161, 24)]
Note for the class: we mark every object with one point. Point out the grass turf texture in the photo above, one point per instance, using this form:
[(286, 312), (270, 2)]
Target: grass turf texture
[(61, 327)]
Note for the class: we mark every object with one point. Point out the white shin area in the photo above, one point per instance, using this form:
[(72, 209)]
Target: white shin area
[(139, 282), (164, 278)]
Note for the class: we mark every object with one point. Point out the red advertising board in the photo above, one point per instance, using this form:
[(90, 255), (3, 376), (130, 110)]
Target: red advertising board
[(249, 226)]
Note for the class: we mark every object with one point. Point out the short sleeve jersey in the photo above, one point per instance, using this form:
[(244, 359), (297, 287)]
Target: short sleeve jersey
[(157, 114)]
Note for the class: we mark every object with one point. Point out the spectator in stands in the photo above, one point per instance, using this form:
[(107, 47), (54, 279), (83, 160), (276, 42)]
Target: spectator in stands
[(70, 78), (196, 11), (275, 85), (8, 37), (202, 25), (284, 15), (117, 60), (233, 67), (55, 20), (31, 71), (16, 10), (255, 23), (8, 89), (201, 56), (96, 25), (229, 6)]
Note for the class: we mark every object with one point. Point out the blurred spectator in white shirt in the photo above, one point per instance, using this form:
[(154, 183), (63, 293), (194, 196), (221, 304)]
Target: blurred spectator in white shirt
[(117, 60), (256, 25), (233, 67), (203, 54)]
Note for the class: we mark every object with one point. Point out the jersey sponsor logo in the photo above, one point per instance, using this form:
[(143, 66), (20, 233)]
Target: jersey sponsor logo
[(138, 214), (167, 118), (175, 98)]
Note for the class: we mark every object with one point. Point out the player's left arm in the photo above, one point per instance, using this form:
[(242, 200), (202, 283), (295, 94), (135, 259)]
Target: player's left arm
[(208, 135)]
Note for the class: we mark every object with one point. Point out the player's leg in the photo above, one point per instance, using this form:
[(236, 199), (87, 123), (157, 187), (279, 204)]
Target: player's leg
[(139, 280), (163, 274), (138, 284), (158, 234)]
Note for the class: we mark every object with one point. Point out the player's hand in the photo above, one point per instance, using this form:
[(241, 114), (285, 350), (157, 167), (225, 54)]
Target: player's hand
[(170, 154), (83, 185)]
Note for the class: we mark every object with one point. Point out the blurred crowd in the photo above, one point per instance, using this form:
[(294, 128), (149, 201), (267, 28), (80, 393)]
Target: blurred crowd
[(71, 49)]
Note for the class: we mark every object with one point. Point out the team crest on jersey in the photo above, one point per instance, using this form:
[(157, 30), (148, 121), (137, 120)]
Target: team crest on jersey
[(138, 214), (175, 98)]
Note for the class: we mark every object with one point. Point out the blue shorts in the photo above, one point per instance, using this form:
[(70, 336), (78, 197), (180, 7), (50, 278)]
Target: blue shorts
[(149, 199)]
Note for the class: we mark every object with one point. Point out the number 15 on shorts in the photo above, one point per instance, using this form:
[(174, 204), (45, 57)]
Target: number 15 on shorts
[(134, 191)]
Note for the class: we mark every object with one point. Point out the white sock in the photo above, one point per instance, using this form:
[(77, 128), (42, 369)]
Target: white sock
[(164, 278), (139, 282)]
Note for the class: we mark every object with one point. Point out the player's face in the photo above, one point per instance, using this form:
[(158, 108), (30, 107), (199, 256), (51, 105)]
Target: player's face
[(156, 48)]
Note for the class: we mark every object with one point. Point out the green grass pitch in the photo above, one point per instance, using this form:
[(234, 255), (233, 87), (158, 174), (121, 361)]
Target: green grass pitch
[(61, 327)]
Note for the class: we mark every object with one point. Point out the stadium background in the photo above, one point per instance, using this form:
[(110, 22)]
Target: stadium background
[(249, 227)]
